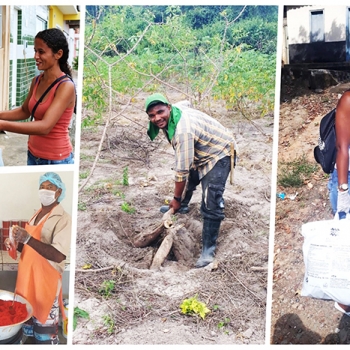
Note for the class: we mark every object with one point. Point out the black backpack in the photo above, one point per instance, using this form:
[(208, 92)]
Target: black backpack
[(326, 152)]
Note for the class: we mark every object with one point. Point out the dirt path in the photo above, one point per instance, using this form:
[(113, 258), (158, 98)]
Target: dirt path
[(130, 304), (297, 319)]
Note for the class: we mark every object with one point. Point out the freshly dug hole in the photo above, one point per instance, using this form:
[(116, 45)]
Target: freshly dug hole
[(185, 248)]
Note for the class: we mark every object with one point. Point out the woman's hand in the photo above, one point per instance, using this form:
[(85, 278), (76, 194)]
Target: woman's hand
[(343, 202)]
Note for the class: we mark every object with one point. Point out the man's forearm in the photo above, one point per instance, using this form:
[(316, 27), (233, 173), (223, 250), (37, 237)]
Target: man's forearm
[(46, 250), (179, 188)]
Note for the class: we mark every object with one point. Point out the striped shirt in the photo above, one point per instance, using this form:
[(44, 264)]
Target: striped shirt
[(199, 142)]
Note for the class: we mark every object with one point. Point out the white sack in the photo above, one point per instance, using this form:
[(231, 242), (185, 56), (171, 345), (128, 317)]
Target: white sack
[(326, 251)]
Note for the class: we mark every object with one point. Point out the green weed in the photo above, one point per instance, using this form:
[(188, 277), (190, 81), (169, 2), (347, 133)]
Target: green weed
[(83, 175), (126, 176), (127, 208), (79, 313), (109, 323), (106, 288), (87, 157), (224, 323), (294, 173), (82, 206)]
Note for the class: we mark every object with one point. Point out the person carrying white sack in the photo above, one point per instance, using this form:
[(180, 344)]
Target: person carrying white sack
[(338, 184)]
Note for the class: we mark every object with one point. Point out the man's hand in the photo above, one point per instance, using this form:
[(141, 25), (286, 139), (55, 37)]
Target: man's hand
[(179, 188), (20, 234), (175, 205)]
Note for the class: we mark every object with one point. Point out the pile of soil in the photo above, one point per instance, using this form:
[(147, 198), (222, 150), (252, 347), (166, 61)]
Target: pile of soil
[(296, 319), (127, 302)]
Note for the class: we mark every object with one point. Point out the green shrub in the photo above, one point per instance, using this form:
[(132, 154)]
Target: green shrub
[(296, 172)]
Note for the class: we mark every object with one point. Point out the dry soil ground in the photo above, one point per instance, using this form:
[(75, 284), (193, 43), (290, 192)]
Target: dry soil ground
[(297, 319), (127, 302)]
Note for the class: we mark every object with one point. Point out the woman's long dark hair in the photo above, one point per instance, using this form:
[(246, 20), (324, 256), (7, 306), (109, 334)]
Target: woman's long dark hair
[(56, 40)]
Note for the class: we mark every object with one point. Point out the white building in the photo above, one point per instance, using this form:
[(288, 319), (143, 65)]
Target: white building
[(316, 34)]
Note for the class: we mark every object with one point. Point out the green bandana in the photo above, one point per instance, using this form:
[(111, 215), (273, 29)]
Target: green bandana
[(174, 118)]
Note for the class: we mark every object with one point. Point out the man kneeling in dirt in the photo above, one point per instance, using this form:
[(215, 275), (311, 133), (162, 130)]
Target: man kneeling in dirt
[(202, 155)]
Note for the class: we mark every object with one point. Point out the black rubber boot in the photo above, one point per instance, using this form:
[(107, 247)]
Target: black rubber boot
[(183, 210), (210, 234), (184, 204)]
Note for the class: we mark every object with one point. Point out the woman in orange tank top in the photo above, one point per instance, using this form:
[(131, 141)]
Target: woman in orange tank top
[(49, 141)]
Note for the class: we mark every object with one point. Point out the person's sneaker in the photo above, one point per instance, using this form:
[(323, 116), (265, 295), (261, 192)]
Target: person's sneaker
[(183, 210)]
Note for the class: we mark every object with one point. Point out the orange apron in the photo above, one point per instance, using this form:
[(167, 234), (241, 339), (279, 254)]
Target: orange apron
[(37, 279)]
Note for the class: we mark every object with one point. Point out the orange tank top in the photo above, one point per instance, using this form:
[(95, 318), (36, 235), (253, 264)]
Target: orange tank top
[(56, 144)]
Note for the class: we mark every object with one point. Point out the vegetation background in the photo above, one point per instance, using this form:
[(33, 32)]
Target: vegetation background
[(206, 52)]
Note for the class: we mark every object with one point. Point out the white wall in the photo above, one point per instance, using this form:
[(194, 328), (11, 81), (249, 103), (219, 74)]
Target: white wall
[(19, 194), (298, 21)]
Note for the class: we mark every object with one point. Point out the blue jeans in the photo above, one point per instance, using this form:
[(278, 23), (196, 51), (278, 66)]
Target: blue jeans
[(333, 189), (44, 333), (32, 160)]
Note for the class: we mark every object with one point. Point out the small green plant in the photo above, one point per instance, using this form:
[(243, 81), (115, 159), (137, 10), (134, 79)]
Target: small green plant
[(294, 173), (83, 175), (193, 306), (224, 323), (79, 313), (127, 208), (106, 288), (126, 176), (118, 193), (109, 323), (123, 307), (82, 206)]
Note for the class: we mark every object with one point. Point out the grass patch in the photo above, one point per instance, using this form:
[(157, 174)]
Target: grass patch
[(82, 206), (83, 175), (127, 208), (296, 172), (87, 157), (107, 288)]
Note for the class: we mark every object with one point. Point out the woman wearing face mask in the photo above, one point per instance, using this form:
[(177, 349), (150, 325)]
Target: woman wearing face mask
[(49, 141), (44, 245)]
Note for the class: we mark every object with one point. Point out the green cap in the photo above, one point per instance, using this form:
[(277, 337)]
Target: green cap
[(153, 99)]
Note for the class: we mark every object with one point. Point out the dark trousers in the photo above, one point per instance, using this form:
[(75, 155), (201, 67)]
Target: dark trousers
[(213, 187)]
